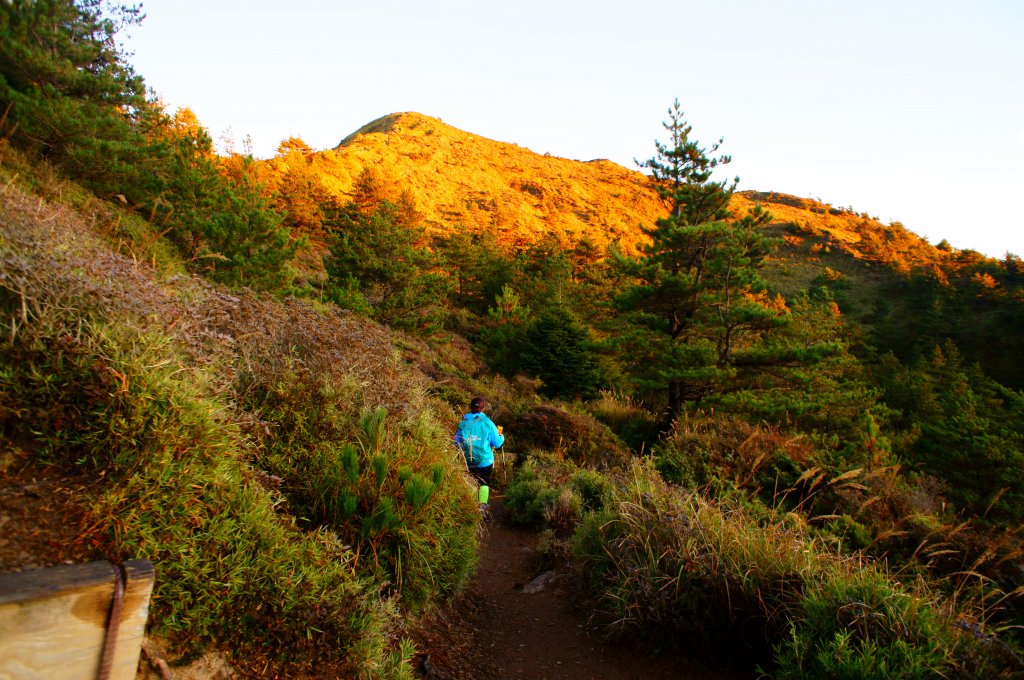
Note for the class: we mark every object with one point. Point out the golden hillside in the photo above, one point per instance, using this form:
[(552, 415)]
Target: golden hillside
[(811, 227), (462, 179)]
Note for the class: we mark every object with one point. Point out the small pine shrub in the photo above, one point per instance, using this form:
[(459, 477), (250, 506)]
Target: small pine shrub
[(393, 495)]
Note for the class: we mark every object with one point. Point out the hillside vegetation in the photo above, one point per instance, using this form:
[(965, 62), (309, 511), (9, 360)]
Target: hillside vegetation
[(748, 421)]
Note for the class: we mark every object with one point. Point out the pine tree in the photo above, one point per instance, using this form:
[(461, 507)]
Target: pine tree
[(967, 429), (66, 91), (300, 194), (696, 301), (558, 349), (378, 264)]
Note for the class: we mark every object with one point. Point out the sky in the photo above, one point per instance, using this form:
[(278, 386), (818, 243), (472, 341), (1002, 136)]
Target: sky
[(908, 110)]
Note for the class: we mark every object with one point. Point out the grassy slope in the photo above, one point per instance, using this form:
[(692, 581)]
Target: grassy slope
[(176, 398)]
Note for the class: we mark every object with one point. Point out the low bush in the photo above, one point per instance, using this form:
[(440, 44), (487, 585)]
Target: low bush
[(578, 436), (628, 419), (388, 489), (556, 492), (531, 490)]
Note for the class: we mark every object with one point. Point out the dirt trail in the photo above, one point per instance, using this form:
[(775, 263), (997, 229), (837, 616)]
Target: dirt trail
[(501, 629)]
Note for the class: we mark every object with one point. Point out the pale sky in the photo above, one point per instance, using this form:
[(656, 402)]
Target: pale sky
[(909, 110)]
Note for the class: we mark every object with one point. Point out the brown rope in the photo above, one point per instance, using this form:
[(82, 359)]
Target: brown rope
[(113, 622)]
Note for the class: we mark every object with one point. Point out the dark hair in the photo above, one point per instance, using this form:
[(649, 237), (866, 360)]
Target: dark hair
[(478, 404)]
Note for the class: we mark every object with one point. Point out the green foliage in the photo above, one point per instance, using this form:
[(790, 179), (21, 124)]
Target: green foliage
[(179, 469), (70, 97), (627, 418), (967, 430), (300, 194), (555, 492), (754, 581), (377, 264), (558, 349), (695, 302), (594, 489), (391, 495), (973, 301), (177, 491), (66, 91), (862, 625), (245, 234), (529, 493), (479, 266), (802, 376)]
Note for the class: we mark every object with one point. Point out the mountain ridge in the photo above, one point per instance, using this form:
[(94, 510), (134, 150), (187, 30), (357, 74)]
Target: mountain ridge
[(459, 179)]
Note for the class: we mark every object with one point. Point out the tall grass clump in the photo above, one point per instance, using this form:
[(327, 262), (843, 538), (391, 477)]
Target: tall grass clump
[(749, 580), (627, 418)]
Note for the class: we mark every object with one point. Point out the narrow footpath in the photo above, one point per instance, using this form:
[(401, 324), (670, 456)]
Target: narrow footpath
[(519, 620)]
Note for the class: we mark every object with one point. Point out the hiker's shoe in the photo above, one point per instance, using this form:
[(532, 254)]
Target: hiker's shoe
[(485, 511)]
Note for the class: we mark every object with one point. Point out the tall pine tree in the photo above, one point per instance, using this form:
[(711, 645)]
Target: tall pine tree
[(696, 302)]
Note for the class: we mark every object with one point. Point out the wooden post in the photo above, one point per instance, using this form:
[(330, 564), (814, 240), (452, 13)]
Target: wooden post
[(54, 622)]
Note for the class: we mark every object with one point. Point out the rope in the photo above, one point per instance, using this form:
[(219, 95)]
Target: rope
[(113, 622)]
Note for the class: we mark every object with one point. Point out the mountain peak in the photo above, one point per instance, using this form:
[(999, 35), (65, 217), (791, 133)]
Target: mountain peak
[(392, 122), (460, 180)]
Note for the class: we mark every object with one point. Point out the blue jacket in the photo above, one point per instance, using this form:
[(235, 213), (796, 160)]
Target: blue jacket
[(478, 436)]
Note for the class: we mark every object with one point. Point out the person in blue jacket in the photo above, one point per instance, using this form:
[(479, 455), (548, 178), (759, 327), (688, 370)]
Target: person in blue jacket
[(478, 436)]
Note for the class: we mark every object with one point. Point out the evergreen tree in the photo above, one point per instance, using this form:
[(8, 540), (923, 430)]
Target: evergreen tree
[(246, 233), (558, 349), (300, 195), (380, 265), (696, 302), (66, 92), (479, 267), (964, 427)]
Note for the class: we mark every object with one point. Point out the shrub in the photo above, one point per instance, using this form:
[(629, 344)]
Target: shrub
[(585, 441), (177, 492), (556, 491), (593, 488), (393, 495), (758, 458), (627, 419), (529, 493)]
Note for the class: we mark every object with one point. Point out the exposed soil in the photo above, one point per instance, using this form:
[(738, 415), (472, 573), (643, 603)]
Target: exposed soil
[(502, 628), (41, 515)]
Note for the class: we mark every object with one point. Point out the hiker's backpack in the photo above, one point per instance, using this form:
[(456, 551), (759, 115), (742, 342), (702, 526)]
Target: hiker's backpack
[(476, 439)]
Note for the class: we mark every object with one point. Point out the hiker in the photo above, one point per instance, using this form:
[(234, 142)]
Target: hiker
[(478, 436)]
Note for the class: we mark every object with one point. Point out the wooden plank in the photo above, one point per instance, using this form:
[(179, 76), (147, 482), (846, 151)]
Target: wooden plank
[(53, 621)]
